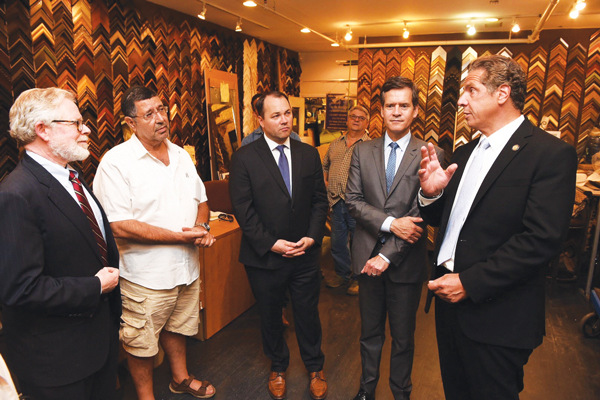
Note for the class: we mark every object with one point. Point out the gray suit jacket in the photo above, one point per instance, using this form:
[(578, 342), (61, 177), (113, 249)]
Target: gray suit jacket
[(370, 205)]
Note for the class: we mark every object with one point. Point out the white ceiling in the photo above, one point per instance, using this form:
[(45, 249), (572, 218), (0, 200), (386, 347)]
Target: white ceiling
[(378, 18)]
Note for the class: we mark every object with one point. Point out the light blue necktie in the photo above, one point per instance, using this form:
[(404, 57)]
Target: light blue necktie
[(284, 167), (463, 202), (390, 170)]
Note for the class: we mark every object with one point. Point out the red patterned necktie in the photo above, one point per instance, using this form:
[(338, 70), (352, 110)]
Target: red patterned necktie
[(87, 210)]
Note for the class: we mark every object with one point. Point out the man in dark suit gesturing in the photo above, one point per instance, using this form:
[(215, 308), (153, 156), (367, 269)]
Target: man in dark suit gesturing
[(279, 200), (503, 208), (58, 259), (388, 250)]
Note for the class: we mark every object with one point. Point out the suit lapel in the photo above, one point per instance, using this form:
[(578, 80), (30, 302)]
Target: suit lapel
[(379, 162), (296, 151), (514, 145), (407, 159), (64, 202), (266, 156)]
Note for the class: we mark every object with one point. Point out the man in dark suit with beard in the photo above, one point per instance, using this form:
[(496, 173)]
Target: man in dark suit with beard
[(503, 208), (58, 259), (279, 200)]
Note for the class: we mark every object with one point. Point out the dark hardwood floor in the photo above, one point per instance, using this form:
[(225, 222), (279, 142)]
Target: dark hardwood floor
[(566, 366)]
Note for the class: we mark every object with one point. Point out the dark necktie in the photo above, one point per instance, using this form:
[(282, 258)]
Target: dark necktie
[(284, 167), (87, 210), (390, 170)]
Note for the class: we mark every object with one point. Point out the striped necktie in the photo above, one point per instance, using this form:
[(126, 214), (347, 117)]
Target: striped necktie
[(87, 210)]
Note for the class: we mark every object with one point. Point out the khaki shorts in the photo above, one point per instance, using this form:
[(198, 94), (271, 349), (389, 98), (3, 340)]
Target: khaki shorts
[(146, 312)]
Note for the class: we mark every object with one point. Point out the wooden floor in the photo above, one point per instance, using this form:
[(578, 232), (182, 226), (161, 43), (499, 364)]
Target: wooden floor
[(566, 366)]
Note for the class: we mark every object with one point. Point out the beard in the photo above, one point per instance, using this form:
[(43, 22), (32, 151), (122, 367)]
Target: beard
[(68, 150)]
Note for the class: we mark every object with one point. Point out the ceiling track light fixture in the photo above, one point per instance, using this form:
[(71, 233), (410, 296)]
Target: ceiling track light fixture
[(580, 5), (305, 30), (336, 43), (405, 33), (202, 15), (515, 26), (471, 31), (348, 36), (238, 26)]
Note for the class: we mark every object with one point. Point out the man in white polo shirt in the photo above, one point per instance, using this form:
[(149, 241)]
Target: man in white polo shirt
[(157, 208)]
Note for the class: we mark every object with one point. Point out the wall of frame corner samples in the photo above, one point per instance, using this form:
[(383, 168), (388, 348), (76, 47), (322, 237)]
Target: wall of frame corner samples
[(563, 74), (100, 48)]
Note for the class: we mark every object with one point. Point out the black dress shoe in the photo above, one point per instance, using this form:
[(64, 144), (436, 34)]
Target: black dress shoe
[(362, 395)]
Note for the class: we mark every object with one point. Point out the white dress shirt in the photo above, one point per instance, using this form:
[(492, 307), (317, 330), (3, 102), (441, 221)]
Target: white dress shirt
[(276, 154), (497, 142), (61, 174), (131, 184)]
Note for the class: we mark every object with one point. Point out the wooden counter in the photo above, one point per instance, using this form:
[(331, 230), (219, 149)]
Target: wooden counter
[(225, 291)]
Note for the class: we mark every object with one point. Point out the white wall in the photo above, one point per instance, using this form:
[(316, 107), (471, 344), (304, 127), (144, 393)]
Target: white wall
[(321, 74)]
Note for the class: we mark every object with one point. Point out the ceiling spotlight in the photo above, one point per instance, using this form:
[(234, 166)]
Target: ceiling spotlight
[(580, 5), (238, 26), (515, 27), (471, 31), (348, 36), (202, 15), (406, 33), (305, 30), (574, 13), (335, 44), (250, 3)]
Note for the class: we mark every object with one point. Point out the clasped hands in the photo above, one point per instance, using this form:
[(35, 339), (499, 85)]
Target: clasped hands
[(292, 249), (197, 235)]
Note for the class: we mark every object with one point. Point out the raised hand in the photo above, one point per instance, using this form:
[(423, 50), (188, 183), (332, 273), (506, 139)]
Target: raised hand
[(433, 177)]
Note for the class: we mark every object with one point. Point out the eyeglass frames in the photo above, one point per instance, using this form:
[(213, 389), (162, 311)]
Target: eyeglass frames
[(151, 114), (77, 122)]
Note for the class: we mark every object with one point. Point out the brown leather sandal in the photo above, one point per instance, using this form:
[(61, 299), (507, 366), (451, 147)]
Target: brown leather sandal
[(184, 387)]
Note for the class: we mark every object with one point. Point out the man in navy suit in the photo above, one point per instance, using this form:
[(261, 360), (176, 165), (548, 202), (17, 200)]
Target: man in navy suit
[(503, 208), (279, 200), (58, 258)]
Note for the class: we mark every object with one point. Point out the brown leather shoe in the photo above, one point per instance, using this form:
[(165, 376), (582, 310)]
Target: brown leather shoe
[(277, 388), (318, 385)]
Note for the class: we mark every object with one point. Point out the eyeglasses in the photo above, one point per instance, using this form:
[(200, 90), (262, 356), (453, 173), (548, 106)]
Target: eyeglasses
[(357, 117), (226, 217), (77, 122), (151, 114)]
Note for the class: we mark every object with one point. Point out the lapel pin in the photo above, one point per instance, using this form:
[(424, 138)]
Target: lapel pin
[(515, 147)]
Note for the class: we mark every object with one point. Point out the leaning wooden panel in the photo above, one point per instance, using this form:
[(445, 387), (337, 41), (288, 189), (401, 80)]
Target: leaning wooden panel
[(449, 101), (365, 67), (555, 83), (463, 131), (20, 48), (569, 112), (377, 81), (536, 78), (394, 59), (105, 137), (591, 99), (86, 80), (407, 69), (64, 44), (9, 154), (422, 82), (44, 57), (434, 95)]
